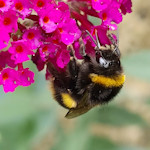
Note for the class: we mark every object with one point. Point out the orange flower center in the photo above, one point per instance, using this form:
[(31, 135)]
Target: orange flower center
[(5, 76), (104, 16), (40, 3), (19, 6), (44, 49), (60, 30), (30, 35), (56, 41), (94, 32), (19, 49), (7, 21), (46, 19), (2, 4)]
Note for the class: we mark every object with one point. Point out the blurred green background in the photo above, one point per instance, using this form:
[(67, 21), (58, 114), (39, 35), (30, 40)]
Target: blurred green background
[(31, 120)]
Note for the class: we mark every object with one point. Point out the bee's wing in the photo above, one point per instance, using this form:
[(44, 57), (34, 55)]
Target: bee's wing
[(82, 107), (72, 113)]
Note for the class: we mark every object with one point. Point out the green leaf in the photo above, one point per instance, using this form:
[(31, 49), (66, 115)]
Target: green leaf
[(99, 143), (94, 20)]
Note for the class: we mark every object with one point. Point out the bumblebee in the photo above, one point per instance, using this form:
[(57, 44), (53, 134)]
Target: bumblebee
[(90, 82)]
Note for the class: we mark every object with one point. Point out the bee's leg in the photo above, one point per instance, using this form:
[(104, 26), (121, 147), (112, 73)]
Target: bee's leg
[(83, 52), (82, 47), (71, 49), (73, 66), (115, 44)]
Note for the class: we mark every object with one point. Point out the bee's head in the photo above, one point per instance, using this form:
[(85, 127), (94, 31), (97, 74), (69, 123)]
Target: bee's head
[(107, 62)]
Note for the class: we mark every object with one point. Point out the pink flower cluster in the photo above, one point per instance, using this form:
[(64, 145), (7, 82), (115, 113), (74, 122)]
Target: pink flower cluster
[(41, 30)]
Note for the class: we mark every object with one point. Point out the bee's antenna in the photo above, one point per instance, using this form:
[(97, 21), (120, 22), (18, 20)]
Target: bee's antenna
[(97, 43), (97, 40)]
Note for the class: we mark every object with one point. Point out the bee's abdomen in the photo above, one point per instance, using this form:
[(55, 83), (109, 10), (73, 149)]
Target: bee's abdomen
[(63, 96), (103, 89), (102, 95), (68, 101)]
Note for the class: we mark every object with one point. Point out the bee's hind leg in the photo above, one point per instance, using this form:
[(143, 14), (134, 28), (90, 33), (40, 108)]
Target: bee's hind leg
[(83, 51), (82, 47), (73, 66)]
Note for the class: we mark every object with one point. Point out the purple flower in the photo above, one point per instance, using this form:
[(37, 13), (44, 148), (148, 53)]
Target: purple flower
[(48, 50), (26, 77), (111, 14), (38, 61), (22, 7), (100, 5), (69, 31), (20, 50), (63, 58), (49, 19), (125, 6), (9, 79), (5, 59), (8, 20), (5, 5), (65, 12), (38, 5), (4, 39), (34, 36), (102, 34), (41, 30)]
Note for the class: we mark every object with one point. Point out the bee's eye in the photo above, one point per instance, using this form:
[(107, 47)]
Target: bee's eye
[(98, 56), (104, 63), (110, 63)]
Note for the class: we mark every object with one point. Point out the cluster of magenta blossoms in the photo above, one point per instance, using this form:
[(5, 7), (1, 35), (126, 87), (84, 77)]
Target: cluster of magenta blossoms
[(41, 30)]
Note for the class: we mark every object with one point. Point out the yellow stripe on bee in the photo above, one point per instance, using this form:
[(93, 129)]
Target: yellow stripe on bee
[(68, 101), (107, 81)]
